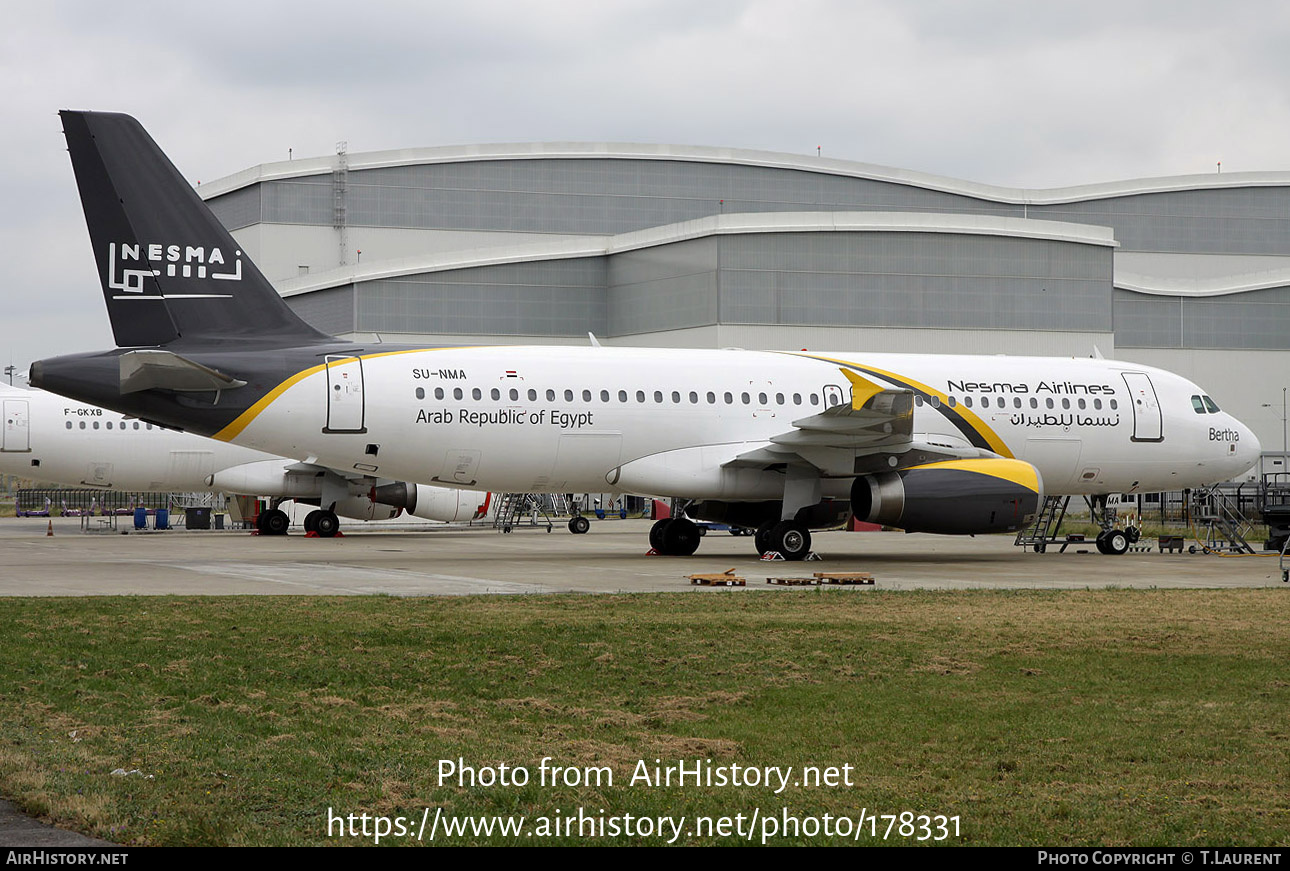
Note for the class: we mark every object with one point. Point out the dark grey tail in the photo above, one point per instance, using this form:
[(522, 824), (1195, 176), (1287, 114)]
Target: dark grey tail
[(169, 269)]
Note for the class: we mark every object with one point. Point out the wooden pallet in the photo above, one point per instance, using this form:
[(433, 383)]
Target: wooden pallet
[(839, 578), (845, 578), (727, 578)]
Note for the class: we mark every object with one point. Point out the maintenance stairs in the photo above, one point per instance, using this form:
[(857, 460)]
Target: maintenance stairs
[(530, 510), (1048, 522), (1226, 529)]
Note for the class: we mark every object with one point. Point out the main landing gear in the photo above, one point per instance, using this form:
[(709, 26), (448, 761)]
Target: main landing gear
[(272, 522), (675, 536), (321, 522), (789, 538), (680, 536)]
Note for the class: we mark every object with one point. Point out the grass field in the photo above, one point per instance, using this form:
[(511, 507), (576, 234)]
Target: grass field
[(1069, 718)]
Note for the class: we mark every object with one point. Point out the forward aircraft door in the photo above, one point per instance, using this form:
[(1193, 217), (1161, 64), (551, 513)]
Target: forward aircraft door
[(345, 409), (17, 433), (1146, 408)]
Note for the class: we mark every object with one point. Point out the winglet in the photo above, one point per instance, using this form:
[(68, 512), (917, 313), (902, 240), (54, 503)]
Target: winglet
[(862, 389)]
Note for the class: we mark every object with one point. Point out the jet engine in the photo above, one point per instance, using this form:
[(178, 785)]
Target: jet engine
[(957, 497), (433, 503)]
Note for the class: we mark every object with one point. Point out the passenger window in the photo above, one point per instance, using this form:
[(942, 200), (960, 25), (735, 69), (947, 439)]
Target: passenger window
[(1048, 403), (438, 393), (532, 394), (1097, 404), (918, 400), (586, 396), (495, 393), (96, 424), (109, 424), (421, 393), (69, 425), (1034, 403), (936, 402), (953, 402), (761, 400), (604, 396), (779, 399), (1114, 404), (815, 399), (640, 396), (82, 424), (694, 398), (136, 424), (712, 398), (550, 395), (568, 396), (967, 400), (729, 399), (797, 399), (477, 393), (745, 397), (1197, 405), (622, 395), (1016, 402), (676, 397), (1081, 404), (658, 395), (515, 395)]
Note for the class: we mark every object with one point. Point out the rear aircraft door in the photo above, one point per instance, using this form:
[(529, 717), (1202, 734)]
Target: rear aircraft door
[(16, 435), (1146, 408), (345, 405)]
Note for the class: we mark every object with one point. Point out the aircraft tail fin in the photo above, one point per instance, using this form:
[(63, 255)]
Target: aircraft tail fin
[(169, 269)]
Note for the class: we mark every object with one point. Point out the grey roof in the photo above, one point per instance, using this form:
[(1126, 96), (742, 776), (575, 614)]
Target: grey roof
[(314, 166)]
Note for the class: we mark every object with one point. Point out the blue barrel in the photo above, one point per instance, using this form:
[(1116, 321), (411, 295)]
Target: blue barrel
[(141, 518), (162, 519)]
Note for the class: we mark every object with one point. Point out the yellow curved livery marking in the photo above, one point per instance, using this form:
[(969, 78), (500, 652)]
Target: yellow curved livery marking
[(1016, 471), (234, 429), (982, 429)]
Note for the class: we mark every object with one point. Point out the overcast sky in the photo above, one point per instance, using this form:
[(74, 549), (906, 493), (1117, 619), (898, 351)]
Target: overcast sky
[(1030, 94)]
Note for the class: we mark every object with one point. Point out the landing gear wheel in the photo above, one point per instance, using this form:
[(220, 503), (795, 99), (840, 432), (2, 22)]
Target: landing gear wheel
[(656, 533), (1133, 534), (326, 524), (311, 521), (579, 525), (761, 538), (680, 538), (791, 539), (274, 522), (1113, 542)]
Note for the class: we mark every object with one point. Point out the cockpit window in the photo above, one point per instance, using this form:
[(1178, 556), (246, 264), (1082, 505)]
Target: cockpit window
[(1211, 405), (1198, 404)]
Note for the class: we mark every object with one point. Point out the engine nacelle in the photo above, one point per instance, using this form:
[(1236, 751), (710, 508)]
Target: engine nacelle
[(958, 497), (434, 503)]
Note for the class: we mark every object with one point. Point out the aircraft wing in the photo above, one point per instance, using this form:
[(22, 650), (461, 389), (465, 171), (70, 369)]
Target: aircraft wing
[(871, 433)]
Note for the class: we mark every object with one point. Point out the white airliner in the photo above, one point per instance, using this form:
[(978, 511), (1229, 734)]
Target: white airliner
[(50, 438), (781, 442)]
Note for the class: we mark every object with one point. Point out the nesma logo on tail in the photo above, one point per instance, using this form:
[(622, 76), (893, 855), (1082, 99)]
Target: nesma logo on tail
[(179, 261)]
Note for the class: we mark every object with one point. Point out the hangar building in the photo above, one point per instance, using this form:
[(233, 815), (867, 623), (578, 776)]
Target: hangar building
[(686, 246)]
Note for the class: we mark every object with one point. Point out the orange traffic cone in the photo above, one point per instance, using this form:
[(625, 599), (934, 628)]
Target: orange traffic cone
[(50, 531)]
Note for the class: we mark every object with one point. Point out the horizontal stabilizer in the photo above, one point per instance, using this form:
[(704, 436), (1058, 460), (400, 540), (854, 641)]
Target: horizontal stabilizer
[(149, 370)]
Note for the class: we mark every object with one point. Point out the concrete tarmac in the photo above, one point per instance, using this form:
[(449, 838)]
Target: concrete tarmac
[(439, 561)]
